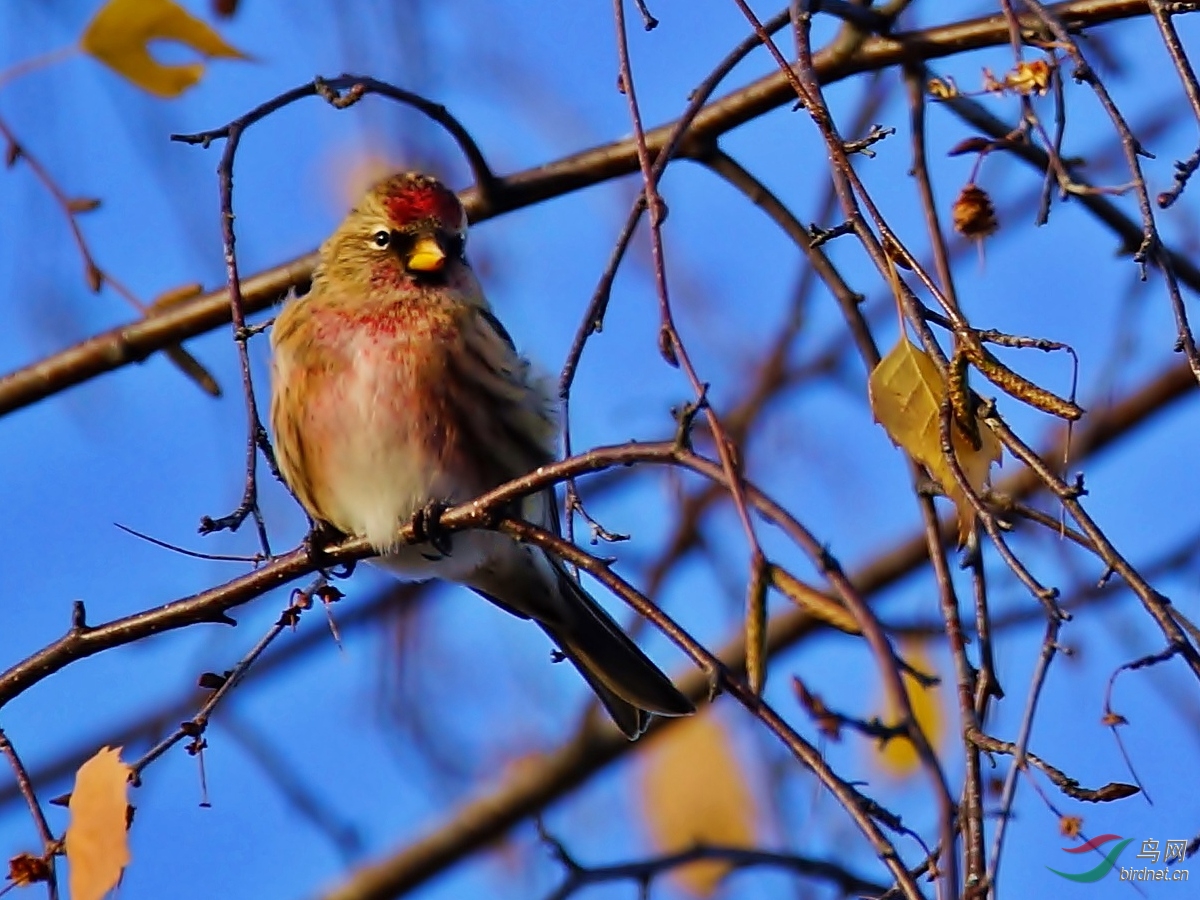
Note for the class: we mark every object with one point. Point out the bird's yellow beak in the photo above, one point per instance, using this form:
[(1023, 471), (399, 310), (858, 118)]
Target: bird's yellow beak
[(426, 256)]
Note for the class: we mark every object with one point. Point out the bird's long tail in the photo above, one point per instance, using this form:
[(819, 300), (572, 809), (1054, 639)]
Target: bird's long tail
[(627, 682)]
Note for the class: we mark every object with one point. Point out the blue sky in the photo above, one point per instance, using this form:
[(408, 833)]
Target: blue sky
[(144, 448)]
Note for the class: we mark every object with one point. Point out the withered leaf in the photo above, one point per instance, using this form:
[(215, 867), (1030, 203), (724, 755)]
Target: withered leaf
[(26, 869)]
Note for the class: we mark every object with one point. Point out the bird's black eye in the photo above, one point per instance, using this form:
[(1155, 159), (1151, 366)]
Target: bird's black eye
[(454, 244), (381, 239)]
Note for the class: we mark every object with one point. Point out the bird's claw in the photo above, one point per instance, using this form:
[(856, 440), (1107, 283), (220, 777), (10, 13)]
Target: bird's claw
[(427, 527), (317, 542)]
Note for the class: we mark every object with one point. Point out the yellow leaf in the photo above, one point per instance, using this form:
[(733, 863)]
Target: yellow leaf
[(907, 392), (120, 34), (1030, 78), (97, 840), (942, 90), (693, 791), (897, 757)]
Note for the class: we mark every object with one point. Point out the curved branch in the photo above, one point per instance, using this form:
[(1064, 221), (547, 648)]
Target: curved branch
[(134, 342), (641, 871), (354, 88), (212, 606), (480, 821), (1104, 426), (146, 726)]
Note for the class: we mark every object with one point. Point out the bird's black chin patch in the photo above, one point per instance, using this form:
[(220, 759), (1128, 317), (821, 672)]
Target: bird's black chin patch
[(428, 279)]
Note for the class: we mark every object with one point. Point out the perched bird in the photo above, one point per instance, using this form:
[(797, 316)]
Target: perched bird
[(395, 389)]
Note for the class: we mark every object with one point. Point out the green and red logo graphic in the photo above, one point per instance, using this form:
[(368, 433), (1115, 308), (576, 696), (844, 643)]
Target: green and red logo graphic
[(1106, 865)]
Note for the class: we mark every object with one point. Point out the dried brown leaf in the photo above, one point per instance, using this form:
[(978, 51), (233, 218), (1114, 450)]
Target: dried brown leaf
[(25, 869)]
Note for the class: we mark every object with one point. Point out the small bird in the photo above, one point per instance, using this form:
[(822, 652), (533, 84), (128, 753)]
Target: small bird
[(396, 391)]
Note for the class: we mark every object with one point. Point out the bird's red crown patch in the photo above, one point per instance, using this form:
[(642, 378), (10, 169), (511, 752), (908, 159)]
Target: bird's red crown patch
[(410, 200)]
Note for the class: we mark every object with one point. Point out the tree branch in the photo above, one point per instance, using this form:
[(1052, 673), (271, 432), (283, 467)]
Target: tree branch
[(136, 341)]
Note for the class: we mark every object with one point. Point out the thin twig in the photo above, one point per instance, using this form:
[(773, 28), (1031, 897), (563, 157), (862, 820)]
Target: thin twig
[(50, 844)]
